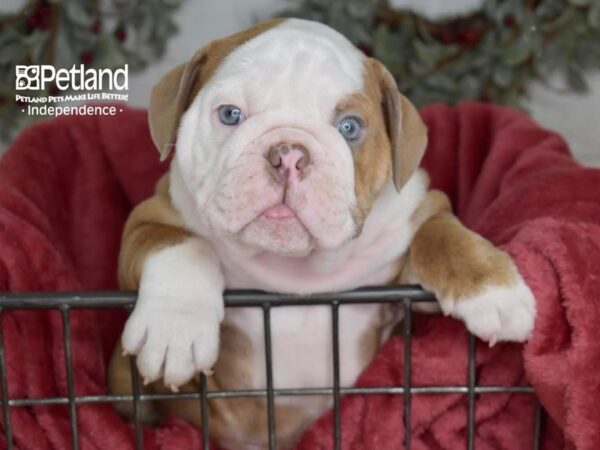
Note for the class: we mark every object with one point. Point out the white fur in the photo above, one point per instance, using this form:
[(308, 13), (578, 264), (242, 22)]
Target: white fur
[(174, 328), (499, 313), (370, 259), (287, 81), (179, 307), (302, 351)]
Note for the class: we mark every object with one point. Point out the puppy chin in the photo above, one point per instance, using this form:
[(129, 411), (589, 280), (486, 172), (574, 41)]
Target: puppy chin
[(281, 236)]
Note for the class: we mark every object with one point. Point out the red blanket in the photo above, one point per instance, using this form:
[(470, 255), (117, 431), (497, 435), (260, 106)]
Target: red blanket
[(66, 187)]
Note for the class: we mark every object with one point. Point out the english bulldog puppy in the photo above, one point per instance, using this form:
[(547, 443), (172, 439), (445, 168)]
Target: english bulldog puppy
[(295, 171)]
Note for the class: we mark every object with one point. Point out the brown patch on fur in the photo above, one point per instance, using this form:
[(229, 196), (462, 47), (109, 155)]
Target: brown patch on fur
[(448, 258), (405, 128), (174, 93), (451, 260), (233, 422), (238, 421), (395, 140), (216, 51), (119, 383), (407, 131), (152, 225), (372, 159), (435, 202)]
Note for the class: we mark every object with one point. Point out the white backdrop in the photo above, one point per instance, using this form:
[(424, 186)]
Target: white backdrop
[(576, 117)]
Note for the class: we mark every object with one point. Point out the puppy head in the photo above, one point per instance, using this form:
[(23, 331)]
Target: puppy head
[(285, 135)]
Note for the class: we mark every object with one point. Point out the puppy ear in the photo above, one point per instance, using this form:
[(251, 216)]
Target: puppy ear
[(170, 98), (406, 130)]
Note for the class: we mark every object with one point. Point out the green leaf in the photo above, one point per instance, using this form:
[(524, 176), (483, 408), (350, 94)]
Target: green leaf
[(108, 53), (442, 82), (519, 51), (470, 87), (497, 10), (549, 8), (575, 79), (320, 3), (417, 67), (171, 3), (79, 14), (383, 41), (11, 51), (593, 16), (360, 9), (38, 43), (164, 29), (481, 60), (428, 52), (503, 76), (580, 3)]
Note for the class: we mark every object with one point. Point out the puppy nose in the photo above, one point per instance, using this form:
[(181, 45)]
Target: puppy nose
[(288, 158)]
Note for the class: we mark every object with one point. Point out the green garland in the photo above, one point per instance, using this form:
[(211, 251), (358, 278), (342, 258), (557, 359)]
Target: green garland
[(95, 33), (492, 55)]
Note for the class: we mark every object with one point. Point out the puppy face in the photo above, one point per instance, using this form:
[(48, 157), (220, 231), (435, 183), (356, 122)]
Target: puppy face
[(286, 135)]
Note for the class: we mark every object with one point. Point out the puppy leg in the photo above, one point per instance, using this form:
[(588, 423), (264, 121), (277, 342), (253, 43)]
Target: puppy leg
[(174, 327), (473, 280), (119, 383)]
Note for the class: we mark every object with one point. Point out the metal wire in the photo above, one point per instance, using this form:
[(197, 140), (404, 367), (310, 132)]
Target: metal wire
[(269, 371), (233, 299), (137, 407), (471, 395), (204, 413), (407, 371), (335, 336), (537, 429), (403, 295), (244, 393), (69, 369), (4, 390)]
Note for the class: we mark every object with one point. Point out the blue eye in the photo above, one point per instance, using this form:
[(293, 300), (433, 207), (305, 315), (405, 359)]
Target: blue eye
[(230, 114), (350, 128)]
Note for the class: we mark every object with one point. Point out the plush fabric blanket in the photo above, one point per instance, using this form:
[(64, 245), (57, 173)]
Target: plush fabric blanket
[(67, 186)]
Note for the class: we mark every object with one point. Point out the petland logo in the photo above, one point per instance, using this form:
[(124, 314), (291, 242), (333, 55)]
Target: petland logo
[(77, 78), (81, 85)]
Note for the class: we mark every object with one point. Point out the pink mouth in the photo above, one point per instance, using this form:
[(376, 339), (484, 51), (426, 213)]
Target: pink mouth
[(280, 211)]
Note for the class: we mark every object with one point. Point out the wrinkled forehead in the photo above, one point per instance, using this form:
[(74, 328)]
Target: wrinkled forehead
[(296, 61)]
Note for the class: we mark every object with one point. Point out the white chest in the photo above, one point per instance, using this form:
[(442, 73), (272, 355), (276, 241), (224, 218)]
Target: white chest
[(370, 259), (302, 335)]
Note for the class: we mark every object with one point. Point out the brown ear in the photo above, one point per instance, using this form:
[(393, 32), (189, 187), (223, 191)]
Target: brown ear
[(170, 98), (173, 94), (407, 132)]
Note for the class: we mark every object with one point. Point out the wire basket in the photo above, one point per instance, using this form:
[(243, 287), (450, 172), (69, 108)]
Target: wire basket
[(404, 296)]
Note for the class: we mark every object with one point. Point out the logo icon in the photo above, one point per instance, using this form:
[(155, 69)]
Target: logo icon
[(28, 77)]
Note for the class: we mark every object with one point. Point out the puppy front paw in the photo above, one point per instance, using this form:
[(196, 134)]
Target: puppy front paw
[(173, 343), (498, 313)]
